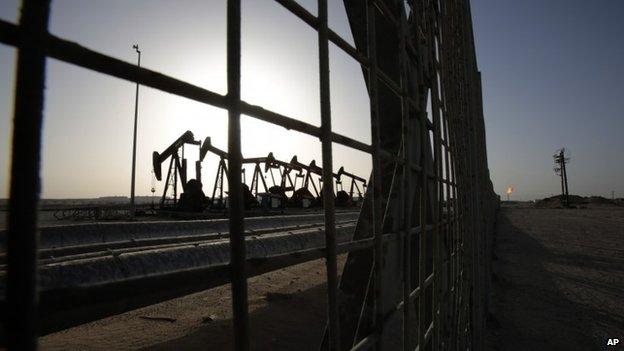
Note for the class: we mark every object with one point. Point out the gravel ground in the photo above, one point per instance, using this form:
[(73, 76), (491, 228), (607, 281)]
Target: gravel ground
[(558, 279)]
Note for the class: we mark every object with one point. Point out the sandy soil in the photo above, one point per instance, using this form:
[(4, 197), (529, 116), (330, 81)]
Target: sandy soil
[(287, 311), (558, 284), (558, 279)]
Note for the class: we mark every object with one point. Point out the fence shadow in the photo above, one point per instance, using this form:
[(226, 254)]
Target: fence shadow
[(287, 322), (546, 298)]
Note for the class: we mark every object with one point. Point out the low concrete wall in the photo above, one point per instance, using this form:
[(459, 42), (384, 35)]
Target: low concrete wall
[(121, 266), (102, 232)]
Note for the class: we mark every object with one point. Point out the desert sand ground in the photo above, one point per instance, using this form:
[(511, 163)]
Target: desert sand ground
[(558, 279), (286, 307), (558, 284)]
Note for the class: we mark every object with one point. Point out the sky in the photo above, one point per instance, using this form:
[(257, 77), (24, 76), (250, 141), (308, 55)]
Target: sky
[(552, 78)]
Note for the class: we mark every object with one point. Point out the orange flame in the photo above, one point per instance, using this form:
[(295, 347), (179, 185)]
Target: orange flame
[(510, 190)]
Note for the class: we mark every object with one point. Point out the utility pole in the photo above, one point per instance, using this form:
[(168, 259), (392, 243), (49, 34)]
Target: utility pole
[(136, 115), (560, 170)]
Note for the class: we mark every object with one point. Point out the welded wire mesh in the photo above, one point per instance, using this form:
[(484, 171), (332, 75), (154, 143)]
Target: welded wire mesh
[(417, 272)]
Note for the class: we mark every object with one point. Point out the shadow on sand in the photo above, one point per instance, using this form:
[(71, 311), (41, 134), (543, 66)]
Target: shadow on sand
[(290, 322), (534, 308)]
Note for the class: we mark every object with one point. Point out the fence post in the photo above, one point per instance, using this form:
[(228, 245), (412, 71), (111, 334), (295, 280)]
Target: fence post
[(22, 241), (238, 272)]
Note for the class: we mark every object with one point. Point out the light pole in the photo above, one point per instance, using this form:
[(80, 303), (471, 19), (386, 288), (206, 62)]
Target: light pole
[(136, 115)]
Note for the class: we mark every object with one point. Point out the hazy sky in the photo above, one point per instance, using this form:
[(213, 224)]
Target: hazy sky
[(552, 76)]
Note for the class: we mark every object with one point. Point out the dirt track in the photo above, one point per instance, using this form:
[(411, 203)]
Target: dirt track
[(559, 279)]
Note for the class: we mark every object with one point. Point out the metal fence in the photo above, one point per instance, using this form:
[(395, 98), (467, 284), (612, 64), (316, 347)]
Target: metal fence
[(417, 272)]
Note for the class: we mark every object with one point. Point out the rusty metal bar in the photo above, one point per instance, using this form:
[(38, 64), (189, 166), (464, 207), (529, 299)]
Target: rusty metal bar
[(428, 333), (238, 272), (453, 94), (424, 146), (313, 22), (407, 184), (362, 59), (22, 296), (66, 307), (294, 124), (328, 180), (78, 55), (366, 343), (439, 184), (377, 214)]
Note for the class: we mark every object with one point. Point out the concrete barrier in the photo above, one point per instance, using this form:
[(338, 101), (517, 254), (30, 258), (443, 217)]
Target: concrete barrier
[(103, 232)]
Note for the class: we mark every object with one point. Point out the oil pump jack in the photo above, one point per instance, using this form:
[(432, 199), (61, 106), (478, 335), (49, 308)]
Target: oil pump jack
[(258, 193), (271, 197), (217, 201), (191, 198), (302, 197), (286, 183), (342, 197), (274, 196), (257, 177)]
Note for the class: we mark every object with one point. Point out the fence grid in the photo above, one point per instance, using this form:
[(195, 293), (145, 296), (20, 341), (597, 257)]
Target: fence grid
[(416, 275)]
